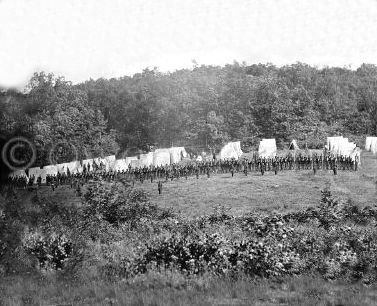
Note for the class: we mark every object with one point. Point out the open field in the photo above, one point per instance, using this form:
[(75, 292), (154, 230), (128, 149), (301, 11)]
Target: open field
[(169, 290), (289, 190)]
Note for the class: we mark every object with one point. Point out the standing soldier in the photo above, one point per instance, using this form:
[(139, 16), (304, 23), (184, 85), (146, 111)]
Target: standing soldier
[(159, 187), (39, 181), (335, 169)]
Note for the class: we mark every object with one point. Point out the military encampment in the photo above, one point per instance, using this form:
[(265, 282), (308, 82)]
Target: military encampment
[(188, 152)]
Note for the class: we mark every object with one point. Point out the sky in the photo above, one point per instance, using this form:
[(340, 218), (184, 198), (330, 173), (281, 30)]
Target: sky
[(83, 39)]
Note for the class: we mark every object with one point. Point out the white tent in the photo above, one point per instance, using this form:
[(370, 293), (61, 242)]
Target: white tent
[(146, 160), (267, 148), (135, 163), (293, 145), (161, 157), (19, 173), (109, 162), (368, 142), (373, 146), (36, 172), (120, 165), (51, 170), (177, 154), (130, 159), (231, 150)]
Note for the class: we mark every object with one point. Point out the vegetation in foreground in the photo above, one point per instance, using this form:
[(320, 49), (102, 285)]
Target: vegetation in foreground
[(118, 240)]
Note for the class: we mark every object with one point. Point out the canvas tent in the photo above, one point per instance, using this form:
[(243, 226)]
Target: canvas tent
[(19, 173), (267, 148), (135, 163), (231, 150), (368, 142), (51, 170), (371, 144), (36, 172), (109, 161), (177, 154), (146, 160), (293, 145), (120, 165), (130, 159), (161, 157)]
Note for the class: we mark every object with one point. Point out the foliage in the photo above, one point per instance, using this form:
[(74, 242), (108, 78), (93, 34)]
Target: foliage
[(51, 251), (198, 108)]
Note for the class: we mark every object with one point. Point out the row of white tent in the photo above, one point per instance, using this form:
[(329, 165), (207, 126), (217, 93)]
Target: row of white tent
[(267, 148), (340, 145), (231, 150), (337, 145), (371, 144), (160, 157)]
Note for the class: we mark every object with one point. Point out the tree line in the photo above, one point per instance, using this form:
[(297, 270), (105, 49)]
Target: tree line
[(200, 108)]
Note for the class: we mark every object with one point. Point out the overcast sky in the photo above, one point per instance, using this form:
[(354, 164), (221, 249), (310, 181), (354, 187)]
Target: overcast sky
[(82, 39)]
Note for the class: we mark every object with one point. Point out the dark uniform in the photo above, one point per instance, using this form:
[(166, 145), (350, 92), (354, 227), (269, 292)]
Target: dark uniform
[(159, 187)]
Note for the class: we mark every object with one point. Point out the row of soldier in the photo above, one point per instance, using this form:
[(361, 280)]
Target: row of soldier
[(176, 171)]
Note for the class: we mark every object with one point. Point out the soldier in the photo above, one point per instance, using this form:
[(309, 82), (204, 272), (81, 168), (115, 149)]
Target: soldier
[(262, 170), (314, 169), (335, 169), (78, 190), (208, 172), (159, 187), (39, 181), (232, 170)]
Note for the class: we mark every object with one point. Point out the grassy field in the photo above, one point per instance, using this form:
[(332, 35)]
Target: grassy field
[(168, 290), (286, 191)]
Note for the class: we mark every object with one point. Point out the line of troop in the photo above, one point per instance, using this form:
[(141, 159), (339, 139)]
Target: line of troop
[(163, 166)]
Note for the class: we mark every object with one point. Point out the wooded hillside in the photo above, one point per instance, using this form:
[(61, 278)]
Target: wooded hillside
[(198, 108)]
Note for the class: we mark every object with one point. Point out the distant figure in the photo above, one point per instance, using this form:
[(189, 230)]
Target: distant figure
[(78, 190), (208, 173), (159, 187), (262, 170), (335, 169), (39, 181), (276, 170), (314, 169), (232, 171)]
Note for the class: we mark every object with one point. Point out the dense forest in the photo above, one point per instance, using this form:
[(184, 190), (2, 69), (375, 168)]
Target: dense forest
[(199, 108)]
